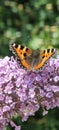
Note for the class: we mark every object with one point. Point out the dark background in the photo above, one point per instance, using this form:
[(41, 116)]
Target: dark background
[(33, 23)]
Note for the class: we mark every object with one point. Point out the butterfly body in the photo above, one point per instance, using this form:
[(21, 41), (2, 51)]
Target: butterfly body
[(31, 59)]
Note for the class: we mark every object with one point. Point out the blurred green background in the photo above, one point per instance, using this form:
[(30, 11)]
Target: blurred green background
[(34, 23)]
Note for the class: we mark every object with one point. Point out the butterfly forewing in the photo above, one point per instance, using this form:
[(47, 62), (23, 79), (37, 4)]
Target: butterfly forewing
[(45, 54), (22, 53)]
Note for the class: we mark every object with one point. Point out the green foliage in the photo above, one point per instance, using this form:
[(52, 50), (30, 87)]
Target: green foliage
[(36, 24), (38, 122)]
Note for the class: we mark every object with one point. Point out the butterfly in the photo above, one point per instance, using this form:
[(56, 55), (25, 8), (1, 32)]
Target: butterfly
[(31, 59)]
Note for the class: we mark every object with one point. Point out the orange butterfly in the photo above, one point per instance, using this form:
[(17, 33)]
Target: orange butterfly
[(31, 59)]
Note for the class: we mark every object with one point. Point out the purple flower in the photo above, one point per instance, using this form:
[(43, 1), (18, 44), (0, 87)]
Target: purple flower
[(23, 92)]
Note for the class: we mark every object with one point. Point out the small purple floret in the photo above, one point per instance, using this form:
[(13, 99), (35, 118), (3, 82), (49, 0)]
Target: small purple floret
[(23, 92)]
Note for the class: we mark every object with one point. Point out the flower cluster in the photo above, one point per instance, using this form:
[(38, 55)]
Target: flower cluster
[(23, 92)]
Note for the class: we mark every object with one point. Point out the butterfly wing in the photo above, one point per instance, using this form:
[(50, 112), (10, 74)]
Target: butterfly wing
[(22, 53), (45, 55)]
